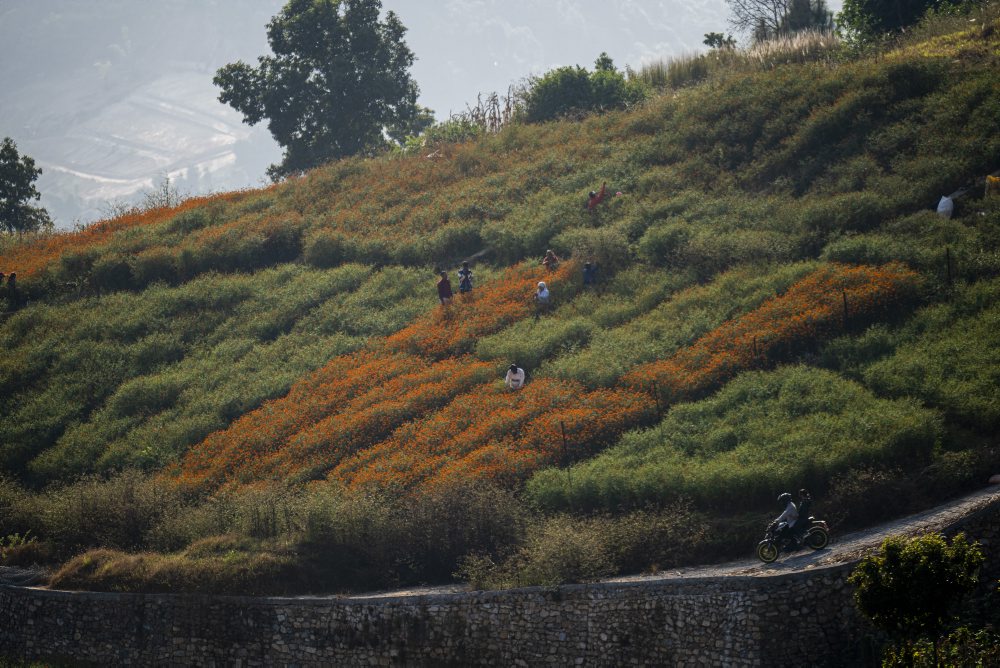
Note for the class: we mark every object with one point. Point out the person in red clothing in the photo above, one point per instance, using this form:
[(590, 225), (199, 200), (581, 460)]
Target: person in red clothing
[(598, 197), (444, 288)]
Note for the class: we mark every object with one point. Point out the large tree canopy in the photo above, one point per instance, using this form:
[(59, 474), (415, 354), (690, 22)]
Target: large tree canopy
[(337, 83), (17, 188), (767, 19), (866, 19)]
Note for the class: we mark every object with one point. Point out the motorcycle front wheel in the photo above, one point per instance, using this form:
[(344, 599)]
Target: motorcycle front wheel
[(817, 538), (767, 551)]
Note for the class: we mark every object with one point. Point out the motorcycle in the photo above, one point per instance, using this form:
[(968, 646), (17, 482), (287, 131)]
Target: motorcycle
[(815, 537)]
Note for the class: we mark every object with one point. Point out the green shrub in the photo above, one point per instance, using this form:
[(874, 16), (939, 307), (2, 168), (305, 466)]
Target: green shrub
[(607, 247), (114, 513), (909, 588), (111, 273), (570, 89), (326, 248), (665, 327), (961, 647), (155, 265)]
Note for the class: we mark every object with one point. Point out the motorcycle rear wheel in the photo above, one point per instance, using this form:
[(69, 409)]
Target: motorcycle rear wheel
[(817, 538), (767, 551)]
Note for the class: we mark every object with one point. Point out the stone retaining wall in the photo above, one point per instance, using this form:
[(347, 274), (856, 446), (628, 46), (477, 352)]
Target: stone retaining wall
[(707, 621)]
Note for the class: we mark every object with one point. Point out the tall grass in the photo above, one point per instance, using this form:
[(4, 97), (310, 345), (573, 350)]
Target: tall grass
[(802, 47)]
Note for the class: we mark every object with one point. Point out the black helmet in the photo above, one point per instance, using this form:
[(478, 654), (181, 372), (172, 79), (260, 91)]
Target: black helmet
[(784, 498)]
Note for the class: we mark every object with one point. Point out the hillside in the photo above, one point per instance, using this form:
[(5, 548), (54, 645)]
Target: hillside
[(259, 392)]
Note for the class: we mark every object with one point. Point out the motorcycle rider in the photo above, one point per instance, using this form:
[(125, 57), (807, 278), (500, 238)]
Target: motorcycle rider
[(787, 519)]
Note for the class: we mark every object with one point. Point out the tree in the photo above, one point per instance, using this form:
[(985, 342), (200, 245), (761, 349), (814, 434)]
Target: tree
[(337, 83), (909, 588), (767, 19), (17, 188), (863, 20), (806, 15), (718, 40), (572, 89)]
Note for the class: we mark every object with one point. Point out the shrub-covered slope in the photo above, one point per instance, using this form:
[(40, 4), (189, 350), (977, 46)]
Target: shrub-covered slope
[(777, 306)]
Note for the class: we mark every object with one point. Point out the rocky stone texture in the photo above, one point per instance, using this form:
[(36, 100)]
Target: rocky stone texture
[(733, 621)]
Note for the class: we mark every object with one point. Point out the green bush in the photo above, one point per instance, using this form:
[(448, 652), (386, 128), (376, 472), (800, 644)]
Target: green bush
[(326, 248), (114, 513), (667, 326), (909, 588), (111, 273), (572, 89), (962, 647)]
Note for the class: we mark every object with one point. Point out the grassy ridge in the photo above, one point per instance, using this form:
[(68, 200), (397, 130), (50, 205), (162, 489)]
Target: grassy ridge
[(252, 342)]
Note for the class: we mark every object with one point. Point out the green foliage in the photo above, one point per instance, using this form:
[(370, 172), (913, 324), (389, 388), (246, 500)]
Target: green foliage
[(17, 188), (909, 588), (337, 78), (564, 548), (962, 647), (865, 20), (572, 89), (764, 431), (946, 355), (718, 40)]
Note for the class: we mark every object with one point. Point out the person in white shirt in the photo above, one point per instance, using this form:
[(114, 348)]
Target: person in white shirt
[(541, 299), (787, 519), (515, 377), (542, 294)]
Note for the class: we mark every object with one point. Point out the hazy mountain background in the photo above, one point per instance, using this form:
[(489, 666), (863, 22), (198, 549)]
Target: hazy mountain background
[(110, 96)]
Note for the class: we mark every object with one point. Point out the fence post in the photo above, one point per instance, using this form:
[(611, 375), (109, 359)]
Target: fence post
[(569, 474), (656, 395), (845, 308)]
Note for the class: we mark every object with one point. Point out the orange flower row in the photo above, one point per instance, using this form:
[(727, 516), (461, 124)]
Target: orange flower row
[(32, 257), (812, 308), (370, 417), (255, 434), (455, 328), (492, 433)]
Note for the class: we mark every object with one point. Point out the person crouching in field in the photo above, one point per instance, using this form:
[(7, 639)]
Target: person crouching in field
[(514, 378)]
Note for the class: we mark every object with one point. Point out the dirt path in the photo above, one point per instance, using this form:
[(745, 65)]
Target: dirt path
[(843, 548)]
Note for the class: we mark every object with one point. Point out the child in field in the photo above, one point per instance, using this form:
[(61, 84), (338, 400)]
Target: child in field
[(465, 278)]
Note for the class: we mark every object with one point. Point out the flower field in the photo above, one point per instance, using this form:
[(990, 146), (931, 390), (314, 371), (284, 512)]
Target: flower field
[(416, 411)]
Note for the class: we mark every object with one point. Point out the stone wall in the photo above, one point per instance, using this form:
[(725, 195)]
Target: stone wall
[(707, 621)]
